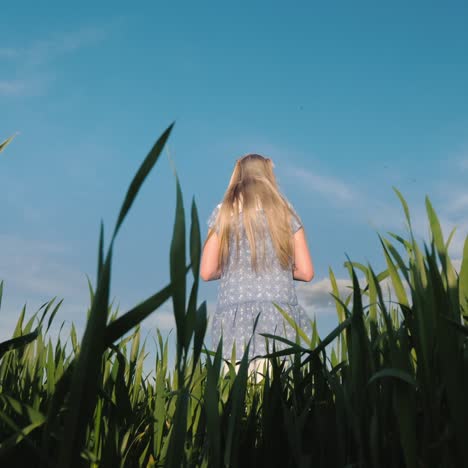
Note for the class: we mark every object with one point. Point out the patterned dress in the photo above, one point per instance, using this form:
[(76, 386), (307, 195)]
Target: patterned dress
[(243, 294)]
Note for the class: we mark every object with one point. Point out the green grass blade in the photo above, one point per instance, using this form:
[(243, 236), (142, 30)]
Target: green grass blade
[(213, 419), (237, 398), (293, 324), (140, 177), (19, 342), (176, 453), (395, 277), (405, 207), (396, 374), (195, 241), (100, 252), (200, 330), (84, 382), (463, 280), (122, 325), (6, 142), (177, 272)]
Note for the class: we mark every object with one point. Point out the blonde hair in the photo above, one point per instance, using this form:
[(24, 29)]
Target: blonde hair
[(253, 186)]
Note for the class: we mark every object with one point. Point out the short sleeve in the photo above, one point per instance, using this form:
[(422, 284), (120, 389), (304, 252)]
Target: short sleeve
[(212, 218), (296, 221)]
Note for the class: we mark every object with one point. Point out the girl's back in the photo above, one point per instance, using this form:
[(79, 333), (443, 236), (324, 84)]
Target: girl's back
[(247, 288)]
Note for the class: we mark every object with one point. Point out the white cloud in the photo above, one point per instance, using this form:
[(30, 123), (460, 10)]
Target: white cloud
[(12, 87), (36, 268), (316, 294), (329, 187), (31, 64), (458, 240), (317, 300), (34, 85), (383, 215), (463, 163), (459, 202), (34, 272), (449, 210), (457, 264), (162, 318), (372, 208), (44, 50), (316, 297), (8, 52)]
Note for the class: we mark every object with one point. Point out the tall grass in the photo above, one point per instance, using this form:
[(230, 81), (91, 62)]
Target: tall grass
[(392, 392), (6, 142)]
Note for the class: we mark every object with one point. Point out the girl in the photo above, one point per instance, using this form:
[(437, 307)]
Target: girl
[(257, 246)]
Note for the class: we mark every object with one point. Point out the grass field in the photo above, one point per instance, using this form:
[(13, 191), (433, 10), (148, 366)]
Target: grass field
[(391, 393)]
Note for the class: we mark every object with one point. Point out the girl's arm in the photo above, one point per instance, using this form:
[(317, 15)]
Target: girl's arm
[(303, 269), (209, 268)]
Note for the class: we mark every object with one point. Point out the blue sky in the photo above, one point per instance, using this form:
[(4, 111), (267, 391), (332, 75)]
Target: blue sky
[(348, 99)]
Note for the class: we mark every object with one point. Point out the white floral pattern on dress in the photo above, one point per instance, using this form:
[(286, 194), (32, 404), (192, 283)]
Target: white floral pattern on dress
[(243, 294)]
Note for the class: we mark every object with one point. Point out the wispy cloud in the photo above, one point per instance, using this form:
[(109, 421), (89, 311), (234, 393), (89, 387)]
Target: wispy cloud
[(8, 52), (327, 186), (459, 202), (316, 297), (12, 87), (31, 66), (378, 213), (463, 160), (367, 205), (58, 44), (162, 318), (458, 240), (34, 268), (26, 87), (47, 49), (34, 272), (451, 208)]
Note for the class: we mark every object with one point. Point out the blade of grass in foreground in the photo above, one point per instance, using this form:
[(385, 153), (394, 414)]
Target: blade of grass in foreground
[(213, 420), (85, 375), (5, 143), (141, 175), (18, 342), (236, 399), (178, 276), (84, 389), (463, 280), (293, 324)]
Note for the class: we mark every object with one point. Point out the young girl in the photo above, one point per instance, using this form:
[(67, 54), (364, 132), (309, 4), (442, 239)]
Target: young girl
[(257, 246)]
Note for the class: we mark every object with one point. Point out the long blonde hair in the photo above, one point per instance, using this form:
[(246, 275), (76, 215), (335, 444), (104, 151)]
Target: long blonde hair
[(253, 186)]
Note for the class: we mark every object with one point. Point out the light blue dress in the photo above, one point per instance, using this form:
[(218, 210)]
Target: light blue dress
[(243, 294)]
